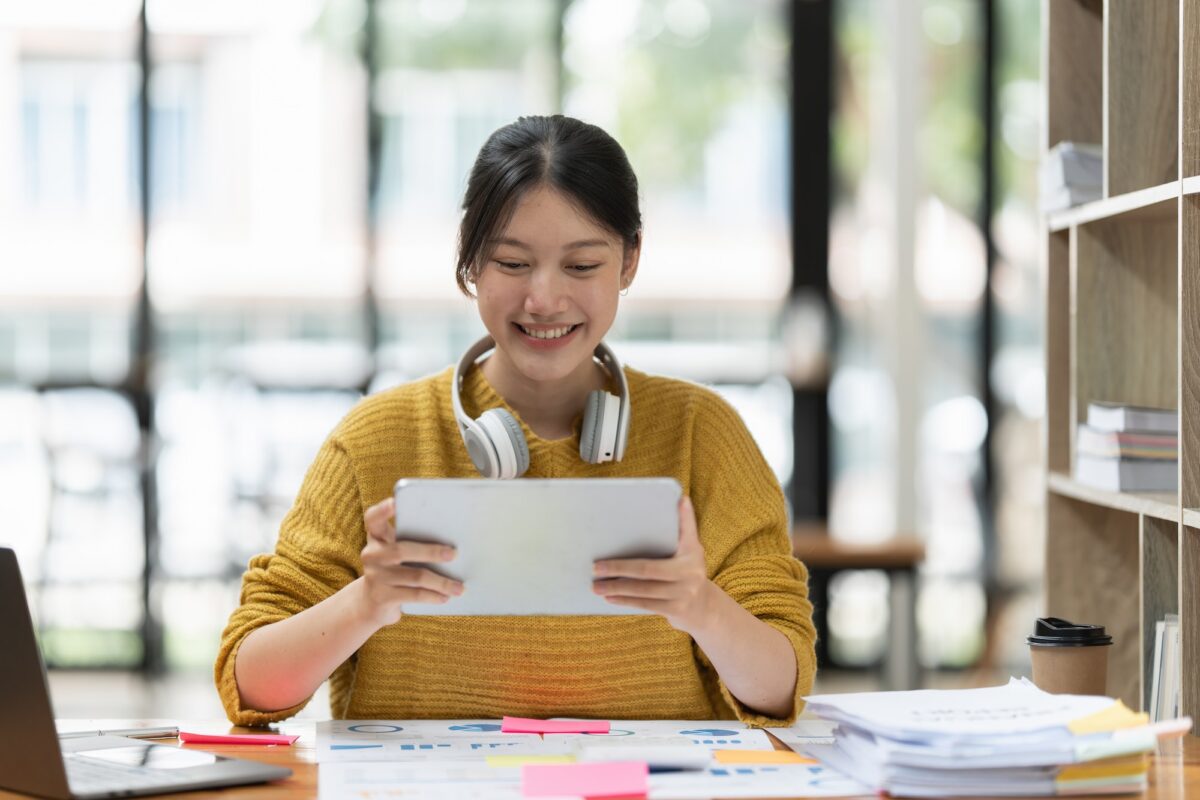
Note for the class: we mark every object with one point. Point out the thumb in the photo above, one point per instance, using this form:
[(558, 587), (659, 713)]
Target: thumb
[(689, 535)]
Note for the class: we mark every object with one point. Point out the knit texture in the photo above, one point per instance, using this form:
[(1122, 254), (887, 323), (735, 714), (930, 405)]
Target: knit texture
[(612, 667)]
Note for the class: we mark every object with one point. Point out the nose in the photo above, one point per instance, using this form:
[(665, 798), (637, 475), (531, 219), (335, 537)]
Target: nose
[(545, 295)]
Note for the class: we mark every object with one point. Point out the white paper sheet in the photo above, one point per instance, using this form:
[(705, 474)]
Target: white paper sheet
[(735, 781), (475, 781), (1018, 709), (714, 734), (443, 781), (425, 740)]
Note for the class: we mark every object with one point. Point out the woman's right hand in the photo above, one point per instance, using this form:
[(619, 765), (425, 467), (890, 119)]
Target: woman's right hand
[(389, 580)]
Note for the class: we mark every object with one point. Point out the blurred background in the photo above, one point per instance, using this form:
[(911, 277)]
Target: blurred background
[(222, 223)]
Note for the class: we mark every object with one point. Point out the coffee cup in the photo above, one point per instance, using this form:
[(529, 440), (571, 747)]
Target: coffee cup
[(1069, 658)]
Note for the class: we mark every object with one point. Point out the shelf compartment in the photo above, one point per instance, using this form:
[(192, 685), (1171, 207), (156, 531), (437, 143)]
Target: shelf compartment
[(1159, 505), (1141, 87), (1074, 57), (1058, 352), (1124, 308), (1160, 588), (1152, 203), (1092, 570), (1189, 337)]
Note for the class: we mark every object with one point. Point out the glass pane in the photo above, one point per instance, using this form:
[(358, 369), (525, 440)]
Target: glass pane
[(69, 219), (258, 154), (949, 277), (450, 74), (696, 93)]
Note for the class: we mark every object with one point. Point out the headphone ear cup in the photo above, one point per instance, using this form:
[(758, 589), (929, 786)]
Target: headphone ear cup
[(480, 449), (598, 436), (589, 434), (512, 452)]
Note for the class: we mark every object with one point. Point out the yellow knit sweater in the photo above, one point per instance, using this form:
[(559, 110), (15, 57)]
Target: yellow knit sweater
[(612, 667)]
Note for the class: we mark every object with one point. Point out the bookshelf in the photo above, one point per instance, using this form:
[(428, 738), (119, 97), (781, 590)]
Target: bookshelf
[(1122, 305)]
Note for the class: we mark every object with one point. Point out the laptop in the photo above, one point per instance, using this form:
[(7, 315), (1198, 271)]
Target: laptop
[(33, 760)]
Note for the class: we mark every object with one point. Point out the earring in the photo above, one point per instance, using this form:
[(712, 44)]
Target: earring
[(625, 292)]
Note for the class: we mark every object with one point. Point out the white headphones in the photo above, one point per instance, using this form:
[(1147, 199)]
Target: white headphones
[(496, 444)]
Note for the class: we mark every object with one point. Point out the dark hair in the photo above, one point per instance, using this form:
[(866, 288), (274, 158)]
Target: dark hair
[(579, 160)]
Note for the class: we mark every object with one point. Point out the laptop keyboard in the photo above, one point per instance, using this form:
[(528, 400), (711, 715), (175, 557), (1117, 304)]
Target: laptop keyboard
[(86, 775)]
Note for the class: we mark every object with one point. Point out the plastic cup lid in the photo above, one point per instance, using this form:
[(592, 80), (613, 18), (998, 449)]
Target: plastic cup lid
[(1055, 632)]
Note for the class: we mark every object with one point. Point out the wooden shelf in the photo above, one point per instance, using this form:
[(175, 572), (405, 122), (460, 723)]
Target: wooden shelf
[(1160, 505), (1156, 202), (1122, 292)]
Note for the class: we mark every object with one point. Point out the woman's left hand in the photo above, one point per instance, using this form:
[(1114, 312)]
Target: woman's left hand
[(678, 587)]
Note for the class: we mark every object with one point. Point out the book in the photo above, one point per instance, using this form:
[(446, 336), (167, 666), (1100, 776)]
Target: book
[(1127, 474), (1126, 444), (1125, 417), (1072, 164), (1070, 174), (1155, 708)]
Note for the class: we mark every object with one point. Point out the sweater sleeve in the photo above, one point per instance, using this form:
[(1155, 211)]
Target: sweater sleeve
[(318, 552), (743, 526)]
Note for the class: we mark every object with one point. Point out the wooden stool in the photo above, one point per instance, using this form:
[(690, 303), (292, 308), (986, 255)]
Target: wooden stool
[(899, 557)]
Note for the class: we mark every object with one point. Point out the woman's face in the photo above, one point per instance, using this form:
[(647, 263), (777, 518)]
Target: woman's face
[(548, 292)]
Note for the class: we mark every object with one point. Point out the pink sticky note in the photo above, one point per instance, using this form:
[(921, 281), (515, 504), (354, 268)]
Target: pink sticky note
[(523, 725), (604, 779), (236, 738)]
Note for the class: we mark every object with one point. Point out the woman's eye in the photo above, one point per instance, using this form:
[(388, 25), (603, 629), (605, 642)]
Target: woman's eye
[(583, 267), (510, 264)]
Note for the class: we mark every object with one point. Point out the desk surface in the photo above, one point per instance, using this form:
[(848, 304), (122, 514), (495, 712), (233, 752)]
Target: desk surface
[(1174, 773)]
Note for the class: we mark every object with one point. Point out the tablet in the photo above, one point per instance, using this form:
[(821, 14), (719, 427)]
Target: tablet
[(526, 546)]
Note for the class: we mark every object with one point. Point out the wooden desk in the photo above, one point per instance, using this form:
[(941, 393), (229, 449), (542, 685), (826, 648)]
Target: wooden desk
[(825, 556), (1174, 773)]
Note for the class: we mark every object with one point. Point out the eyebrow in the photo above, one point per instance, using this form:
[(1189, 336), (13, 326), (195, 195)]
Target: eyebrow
[(570, 246)]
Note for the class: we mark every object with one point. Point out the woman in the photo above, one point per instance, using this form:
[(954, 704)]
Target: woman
[(550, 236)]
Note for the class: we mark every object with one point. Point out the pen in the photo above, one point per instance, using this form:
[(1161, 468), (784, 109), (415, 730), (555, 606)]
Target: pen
[(130, 733)]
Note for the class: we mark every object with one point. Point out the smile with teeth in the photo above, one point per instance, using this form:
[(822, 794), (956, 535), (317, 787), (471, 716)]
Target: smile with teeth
[(550, 333)]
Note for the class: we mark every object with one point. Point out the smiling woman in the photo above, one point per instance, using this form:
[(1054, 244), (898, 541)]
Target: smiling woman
[(551, 233)]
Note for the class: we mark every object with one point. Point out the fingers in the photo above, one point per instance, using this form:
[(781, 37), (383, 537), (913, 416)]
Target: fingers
[(629, 587), (421, 578), (406, 551), (662, 607), (652, 569)]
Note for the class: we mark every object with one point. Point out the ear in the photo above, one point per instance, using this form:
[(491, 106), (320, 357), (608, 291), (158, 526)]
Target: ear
[(633, 255)]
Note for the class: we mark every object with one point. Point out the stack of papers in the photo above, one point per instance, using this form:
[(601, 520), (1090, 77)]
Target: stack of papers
[(1071, 173), (1011, 740), (658, 759)]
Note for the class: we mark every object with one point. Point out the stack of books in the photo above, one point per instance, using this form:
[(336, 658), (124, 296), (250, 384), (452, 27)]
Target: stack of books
[(1072, 173), (1126, 448), (1010, 740)]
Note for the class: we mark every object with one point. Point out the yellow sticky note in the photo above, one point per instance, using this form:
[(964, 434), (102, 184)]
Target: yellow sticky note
[(515, 760), (760, 757), (1108, 768), (1114, 718)]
